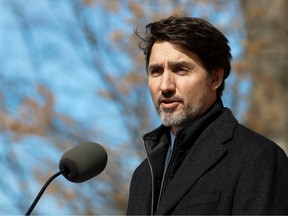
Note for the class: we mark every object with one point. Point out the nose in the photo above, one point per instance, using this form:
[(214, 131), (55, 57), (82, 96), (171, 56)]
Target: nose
[(167, 84)]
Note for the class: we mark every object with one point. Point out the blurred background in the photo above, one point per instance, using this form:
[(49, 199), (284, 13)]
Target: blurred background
[(71, 71)]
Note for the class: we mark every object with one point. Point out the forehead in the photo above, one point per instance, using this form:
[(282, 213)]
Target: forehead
[(162, 52)]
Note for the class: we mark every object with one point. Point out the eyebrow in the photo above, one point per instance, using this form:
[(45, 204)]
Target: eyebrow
[(171, 64), (153, 66), (177, 63)]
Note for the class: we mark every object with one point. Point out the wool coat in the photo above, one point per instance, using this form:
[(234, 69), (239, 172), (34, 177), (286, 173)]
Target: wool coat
[(218, 167)]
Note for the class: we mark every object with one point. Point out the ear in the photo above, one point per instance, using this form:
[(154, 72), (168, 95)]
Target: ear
[(216, 78)]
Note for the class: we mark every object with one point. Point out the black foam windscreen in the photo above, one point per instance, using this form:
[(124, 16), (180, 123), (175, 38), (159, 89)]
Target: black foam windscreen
[(83, 162)]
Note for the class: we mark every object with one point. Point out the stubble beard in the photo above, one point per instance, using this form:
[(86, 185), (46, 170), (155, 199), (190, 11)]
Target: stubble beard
[(181, 118)]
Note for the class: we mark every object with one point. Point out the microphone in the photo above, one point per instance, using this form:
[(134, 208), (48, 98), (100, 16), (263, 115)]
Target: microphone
[(83, 162), (77, 165)]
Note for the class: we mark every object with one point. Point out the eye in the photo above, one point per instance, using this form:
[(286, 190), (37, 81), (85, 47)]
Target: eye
[(181, 70), (154, 72)]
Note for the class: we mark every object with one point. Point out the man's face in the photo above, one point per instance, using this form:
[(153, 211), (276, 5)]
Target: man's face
[(179, 85)]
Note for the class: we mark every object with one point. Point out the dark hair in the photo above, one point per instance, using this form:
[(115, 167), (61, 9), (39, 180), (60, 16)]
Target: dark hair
[(195, 35)]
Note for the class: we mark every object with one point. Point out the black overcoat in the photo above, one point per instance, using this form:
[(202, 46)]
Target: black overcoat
[(229, 170)]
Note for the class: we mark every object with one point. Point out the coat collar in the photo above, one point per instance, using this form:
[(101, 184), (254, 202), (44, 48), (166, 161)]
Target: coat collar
[(162, 134)]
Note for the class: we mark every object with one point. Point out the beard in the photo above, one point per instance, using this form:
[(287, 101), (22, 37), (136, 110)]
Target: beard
[(181, 118)]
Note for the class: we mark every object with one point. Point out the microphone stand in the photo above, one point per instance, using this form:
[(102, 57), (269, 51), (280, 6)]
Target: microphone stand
[(42, 191)]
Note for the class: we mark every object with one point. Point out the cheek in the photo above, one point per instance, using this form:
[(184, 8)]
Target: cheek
[(194, 91)]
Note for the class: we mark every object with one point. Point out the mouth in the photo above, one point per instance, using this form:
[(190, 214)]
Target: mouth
[(169, 103)]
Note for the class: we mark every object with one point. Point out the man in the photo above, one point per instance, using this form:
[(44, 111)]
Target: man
[(201, 160)]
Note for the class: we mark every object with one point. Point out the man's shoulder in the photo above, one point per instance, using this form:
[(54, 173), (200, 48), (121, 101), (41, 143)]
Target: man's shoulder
[(242, 137), (251, 137), (142, 167), (251, 143), (141, 174)]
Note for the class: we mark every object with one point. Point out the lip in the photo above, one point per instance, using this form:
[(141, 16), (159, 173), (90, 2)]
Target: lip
[(169, 104)]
